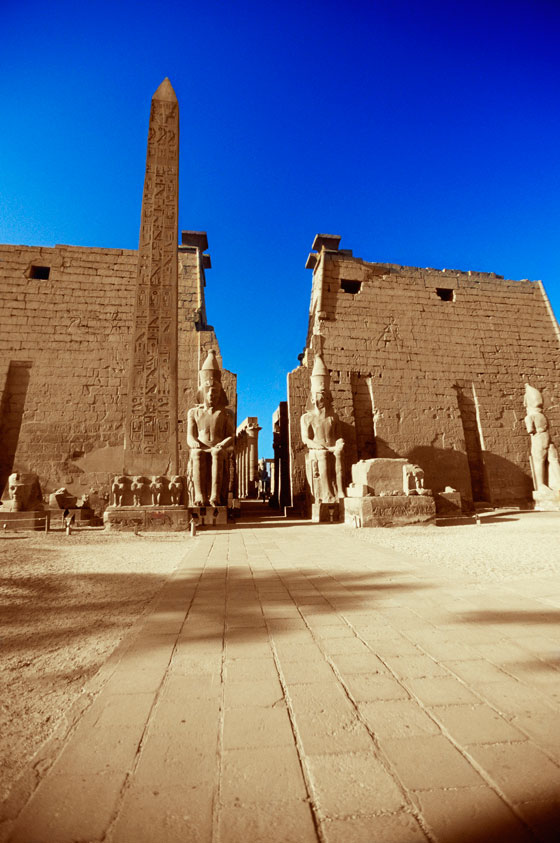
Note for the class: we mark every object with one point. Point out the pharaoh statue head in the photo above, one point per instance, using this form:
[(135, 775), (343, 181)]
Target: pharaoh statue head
[(25, 492)]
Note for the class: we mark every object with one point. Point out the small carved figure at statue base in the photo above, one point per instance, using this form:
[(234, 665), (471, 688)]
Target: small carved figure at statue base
[(143, 503), (119, 488), (158, 487), (176, 490), (210, 434), (138, 487), (545, 464), (320, 432)]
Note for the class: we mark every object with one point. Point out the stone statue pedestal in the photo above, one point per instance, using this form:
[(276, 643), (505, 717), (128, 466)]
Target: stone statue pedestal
[(389, 510), (325, 513), (209, 516), (547, 501), (31, 520), (146, 518)]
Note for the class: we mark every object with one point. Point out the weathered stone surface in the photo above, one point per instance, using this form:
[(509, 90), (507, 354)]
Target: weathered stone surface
[(432, 378), (389, 511), (387, 477)]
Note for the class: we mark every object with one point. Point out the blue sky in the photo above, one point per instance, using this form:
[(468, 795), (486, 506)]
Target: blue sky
[(424, 133)]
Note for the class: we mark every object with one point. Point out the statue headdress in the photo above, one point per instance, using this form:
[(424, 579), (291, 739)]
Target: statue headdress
[(533, 398), (320, 377), (209, 374), (210, 371)]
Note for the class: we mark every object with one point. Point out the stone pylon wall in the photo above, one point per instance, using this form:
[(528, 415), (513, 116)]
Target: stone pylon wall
[(66, 342), (430, 365)]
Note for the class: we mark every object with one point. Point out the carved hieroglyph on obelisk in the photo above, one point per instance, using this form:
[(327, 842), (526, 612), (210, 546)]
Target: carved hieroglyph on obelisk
[(151, 424)]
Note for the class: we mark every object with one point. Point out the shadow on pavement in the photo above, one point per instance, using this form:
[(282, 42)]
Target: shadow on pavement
[(507, 617), (73, 605)]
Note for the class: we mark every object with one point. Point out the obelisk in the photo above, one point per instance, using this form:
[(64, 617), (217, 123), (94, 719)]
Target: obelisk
[(150, 444)]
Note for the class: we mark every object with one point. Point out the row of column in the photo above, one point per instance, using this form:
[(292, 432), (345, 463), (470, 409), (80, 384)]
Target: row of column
[(247, 457)]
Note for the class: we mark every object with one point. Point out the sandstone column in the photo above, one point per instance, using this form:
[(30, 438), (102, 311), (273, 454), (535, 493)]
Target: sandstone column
[(151, 423), (247, 449)]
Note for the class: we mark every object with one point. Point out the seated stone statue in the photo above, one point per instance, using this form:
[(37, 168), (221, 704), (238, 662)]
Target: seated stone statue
[(544, 456), (210, 436), (320, 433)]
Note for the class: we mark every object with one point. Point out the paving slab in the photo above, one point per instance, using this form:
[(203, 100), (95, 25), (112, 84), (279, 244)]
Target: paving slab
[(294, 683)]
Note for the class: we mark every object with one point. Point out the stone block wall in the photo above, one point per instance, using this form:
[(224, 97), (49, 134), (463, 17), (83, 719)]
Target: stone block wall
[(430, 365), (64, 360)]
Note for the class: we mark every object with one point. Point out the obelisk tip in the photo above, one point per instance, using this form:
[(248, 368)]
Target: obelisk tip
[(165, 92)]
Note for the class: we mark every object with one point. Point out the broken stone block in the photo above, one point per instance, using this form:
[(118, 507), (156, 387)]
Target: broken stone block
[(356, 490), (385, 476), (547, 500), (448, 503), (62, 499)]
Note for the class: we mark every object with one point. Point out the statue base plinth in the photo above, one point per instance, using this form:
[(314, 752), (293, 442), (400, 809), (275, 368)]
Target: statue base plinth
[(389, 510), (147, 518), (32, 520), (209, 516), (83, 516), (548, 501), (327, 513)]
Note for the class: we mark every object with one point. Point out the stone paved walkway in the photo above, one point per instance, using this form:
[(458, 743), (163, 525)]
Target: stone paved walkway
[(293, 683)]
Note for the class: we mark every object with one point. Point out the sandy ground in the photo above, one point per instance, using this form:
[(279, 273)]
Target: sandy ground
[(507, 544), (65, 603)]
